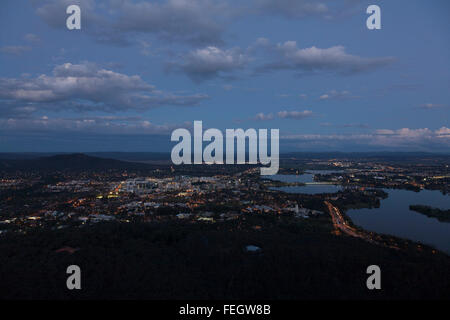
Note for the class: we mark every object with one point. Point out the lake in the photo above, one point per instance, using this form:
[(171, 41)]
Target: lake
[(393, 217), (304, 178)]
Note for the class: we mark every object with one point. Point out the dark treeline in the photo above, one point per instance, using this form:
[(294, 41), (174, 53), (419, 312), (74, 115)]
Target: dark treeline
[(441, 215), (176, 260)]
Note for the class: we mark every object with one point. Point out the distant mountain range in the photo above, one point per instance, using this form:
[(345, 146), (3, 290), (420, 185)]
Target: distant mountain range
[(165, 156), (126, 156), (148, 160), (76, 161)]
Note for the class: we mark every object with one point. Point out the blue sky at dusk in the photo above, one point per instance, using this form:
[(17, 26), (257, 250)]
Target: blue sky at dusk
[(137, 70)]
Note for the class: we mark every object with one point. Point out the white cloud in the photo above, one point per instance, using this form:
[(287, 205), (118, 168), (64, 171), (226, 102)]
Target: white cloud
[(444, 131), (400, 139), (337, 95), (97, 124), (262, 117), (86, 87), (210, 62), (295, 114), (287, 56)]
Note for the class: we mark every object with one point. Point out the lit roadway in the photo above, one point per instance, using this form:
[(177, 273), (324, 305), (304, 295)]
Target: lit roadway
[(342, 225), (339, 223)]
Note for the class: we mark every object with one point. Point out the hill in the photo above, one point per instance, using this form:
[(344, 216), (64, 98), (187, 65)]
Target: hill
[(76, 161)]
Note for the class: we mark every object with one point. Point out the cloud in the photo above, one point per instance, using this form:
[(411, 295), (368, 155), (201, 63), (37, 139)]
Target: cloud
[(337, 95), (196, 22), (210, 62), (300, 9), (12, 109), (355, 125), (86, 87), (398, 139), (432, 106), (293, 8), (96, 124), (96, 21), (423, 137), (15, 50), (345, 125), (405, 132), (443, 132), (263, 117), (298, 115), (287, 56), (32, 38)]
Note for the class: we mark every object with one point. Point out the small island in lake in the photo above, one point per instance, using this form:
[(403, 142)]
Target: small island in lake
[(441, 215)]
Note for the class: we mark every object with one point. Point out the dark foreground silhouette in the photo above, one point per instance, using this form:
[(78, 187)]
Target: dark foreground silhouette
[(298, 259)]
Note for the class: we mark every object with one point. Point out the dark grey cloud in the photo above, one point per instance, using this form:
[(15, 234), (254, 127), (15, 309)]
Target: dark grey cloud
[(86, 87), (13, 109), (197, 22), (97, 18)]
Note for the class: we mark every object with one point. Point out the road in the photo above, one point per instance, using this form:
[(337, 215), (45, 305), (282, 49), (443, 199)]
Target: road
[(341, 224)]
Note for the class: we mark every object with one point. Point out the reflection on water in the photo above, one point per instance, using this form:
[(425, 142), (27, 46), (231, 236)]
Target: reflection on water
[(304, 178), (394, 217), (314, 189)]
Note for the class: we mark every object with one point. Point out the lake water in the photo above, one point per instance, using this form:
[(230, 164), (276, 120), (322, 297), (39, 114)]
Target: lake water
[(393, 217), (306, 177)]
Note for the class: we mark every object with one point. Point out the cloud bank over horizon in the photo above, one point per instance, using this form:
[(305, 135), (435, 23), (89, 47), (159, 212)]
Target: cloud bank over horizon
[(309, 68)]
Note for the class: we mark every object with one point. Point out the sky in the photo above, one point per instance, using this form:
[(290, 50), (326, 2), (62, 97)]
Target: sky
[(137, 70)]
